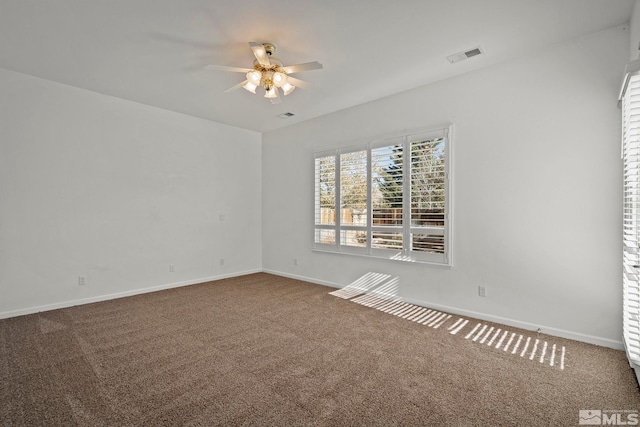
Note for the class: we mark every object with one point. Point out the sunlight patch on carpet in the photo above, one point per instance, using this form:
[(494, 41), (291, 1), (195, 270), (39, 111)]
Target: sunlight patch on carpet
[(370, 283), (432, 318), (534, 349), (379, 291)]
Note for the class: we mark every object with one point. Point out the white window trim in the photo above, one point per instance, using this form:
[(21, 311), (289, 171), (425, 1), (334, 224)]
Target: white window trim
[(404, 255), (630, 101)]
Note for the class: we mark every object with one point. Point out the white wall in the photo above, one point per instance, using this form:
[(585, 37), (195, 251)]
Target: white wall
[(537, 190), (116, 191), (634, 46)]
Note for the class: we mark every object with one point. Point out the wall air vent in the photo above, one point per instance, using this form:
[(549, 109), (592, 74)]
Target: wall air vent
[(461, 56), (285, 115)]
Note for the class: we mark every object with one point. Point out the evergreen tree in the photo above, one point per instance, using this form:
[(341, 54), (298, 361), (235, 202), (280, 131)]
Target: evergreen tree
[(427, 179), (389, 180)]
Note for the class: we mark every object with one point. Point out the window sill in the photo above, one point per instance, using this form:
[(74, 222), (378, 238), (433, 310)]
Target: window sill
[(397, 257)]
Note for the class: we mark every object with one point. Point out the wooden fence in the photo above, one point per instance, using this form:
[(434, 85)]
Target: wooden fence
[(384, 216)]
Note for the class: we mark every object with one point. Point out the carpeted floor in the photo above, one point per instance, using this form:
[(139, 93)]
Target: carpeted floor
[(266, 350)]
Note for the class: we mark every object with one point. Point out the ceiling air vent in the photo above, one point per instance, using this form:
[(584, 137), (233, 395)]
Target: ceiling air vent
[(461, 56), (285, 115)]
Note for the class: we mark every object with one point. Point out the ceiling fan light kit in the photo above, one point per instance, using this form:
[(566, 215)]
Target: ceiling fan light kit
[(268, 73)]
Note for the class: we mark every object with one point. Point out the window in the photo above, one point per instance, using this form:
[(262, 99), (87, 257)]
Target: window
[(387, 199), (631, 216)]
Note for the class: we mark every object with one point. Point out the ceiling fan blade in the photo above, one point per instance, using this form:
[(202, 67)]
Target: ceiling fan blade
[(260, 53), (225, 68), (238, 86), (297, 82), (307, 66)]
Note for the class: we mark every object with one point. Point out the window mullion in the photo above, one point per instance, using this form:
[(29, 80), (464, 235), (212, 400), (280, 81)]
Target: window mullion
[(338, 208), (447, 198), (406, 195), (369, 200)]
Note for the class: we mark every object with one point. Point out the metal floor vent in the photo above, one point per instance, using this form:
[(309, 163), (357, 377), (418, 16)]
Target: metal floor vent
[(461, 56)]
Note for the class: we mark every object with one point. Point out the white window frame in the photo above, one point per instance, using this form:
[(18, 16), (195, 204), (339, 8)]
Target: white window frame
[(406, 254), (358, 250), (630, 152)]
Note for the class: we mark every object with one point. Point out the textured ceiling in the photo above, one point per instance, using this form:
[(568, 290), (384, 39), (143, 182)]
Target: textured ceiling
[(154, 51)]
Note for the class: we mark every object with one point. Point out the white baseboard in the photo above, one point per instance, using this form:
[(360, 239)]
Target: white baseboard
[(618, 345), (591, 339), (304, 278), (106, 297)]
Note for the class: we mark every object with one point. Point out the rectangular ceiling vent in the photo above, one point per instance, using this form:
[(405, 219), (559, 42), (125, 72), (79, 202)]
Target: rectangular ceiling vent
[(461, 56)]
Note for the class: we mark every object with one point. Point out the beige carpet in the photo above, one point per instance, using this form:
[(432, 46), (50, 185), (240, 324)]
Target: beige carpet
[(266, 350)]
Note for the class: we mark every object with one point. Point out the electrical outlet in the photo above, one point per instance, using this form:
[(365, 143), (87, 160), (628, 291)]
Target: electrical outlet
[(221, 261), (295, 261), (172, 268), (482, 291), (82, 280)]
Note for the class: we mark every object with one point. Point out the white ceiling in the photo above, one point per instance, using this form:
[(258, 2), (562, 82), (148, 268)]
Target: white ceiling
[(153, 51)]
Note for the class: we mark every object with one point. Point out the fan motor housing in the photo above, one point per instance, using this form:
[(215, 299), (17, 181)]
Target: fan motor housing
[(270, 48)]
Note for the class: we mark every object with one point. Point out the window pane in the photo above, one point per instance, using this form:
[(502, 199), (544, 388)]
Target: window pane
[(386, 199), (427, 217), (428, 183), (427, 243), (325, 190), (353, 188), (631, 220), (386, 240), (386, 185), (353, 238), (326, 237)]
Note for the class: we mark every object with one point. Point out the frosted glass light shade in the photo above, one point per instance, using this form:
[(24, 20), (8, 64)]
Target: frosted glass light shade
[(254, 76), (279, 79), (287, 88), (271, 93), (250, 87)]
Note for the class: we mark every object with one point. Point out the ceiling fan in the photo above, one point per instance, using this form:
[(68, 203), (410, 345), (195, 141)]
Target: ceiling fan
[(268, 73)]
